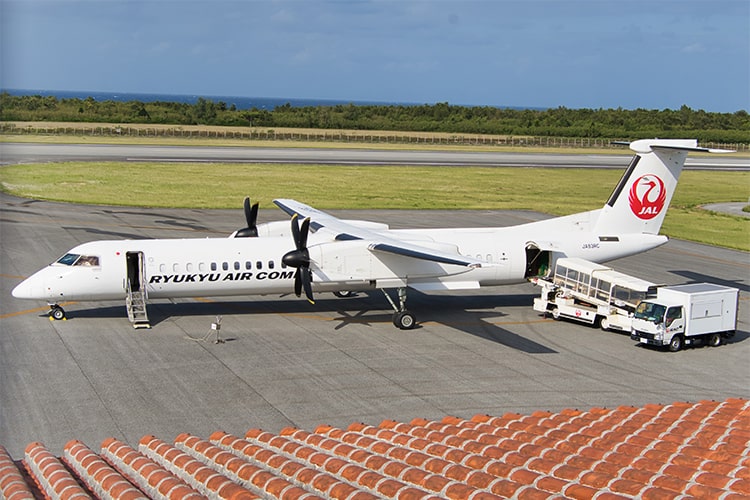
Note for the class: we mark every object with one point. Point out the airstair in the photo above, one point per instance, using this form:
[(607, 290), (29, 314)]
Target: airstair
[(136, 305)]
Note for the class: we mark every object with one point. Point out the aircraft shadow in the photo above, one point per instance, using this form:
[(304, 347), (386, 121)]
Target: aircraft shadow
[(701, 278), (475, 315), (469, 314)]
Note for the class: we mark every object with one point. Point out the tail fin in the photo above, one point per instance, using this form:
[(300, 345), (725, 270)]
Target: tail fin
[(640, 201)]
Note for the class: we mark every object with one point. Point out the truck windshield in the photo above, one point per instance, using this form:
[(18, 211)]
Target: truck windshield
[(650, 312)]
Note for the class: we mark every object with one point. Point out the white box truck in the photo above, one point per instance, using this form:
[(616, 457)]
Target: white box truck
[(683, 314)]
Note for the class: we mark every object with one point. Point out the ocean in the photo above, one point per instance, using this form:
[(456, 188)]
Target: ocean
[(268, 103)]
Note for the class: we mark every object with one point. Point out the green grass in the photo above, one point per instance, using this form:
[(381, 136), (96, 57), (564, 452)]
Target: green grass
[(216, 185)]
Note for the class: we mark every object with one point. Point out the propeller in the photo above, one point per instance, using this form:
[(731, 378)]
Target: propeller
[(251, 216), (300, 258)]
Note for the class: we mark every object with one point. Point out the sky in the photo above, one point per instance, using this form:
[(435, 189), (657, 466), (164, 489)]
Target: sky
[(631, 54)]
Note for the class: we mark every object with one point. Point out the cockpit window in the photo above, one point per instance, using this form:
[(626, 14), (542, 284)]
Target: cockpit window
[(88, 261), (68, 259), (74, 259)]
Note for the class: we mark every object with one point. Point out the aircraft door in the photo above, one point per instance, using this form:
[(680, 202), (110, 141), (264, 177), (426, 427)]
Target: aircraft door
[(540, 259), (537, 261), (136, 271)]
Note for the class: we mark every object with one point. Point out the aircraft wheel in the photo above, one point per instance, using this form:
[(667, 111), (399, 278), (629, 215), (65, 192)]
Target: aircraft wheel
[(344, 294), (676, 343), (404, 320), (57, 313), (714, 340)]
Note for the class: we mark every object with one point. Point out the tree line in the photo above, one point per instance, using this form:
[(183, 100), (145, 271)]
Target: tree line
[(439, 117)]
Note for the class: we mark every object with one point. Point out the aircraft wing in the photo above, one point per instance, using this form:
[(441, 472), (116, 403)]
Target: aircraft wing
[(378, 242)]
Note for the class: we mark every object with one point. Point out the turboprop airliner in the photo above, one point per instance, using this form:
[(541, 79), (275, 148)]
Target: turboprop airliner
[(318, 252)]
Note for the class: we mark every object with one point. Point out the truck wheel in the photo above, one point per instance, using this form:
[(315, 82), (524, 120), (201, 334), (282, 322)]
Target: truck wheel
[(676, 343), (714, 340), (604, 324), (556, 314)]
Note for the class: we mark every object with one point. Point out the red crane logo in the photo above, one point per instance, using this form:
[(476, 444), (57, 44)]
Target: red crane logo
[(647, 196)]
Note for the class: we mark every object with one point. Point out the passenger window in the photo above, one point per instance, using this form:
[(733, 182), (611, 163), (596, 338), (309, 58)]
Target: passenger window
[(225, 266), (270, 264), (248, 264), (162, 268), (189, 267), (201, 266), (236, 266), (259, 265), (213, 266), (176, 268)]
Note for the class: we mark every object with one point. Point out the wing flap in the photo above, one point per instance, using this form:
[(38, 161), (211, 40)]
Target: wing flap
[(422, 253)]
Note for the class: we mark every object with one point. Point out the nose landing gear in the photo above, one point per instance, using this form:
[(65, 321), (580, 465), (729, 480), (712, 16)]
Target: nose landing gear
[(56, 313)]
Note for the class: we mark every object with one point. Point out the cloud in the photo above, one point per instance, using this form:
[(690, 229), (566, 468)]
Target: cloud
[(695, 48)]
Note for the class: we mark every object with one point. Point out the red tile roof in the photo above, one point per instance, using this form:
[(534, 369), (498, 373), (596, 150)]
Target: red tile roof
[(655, 452)]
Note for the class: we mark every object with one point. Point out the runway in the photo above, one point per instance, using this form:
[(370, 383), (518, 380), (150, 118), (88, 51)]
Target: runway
[(285, 362), (39, 153)]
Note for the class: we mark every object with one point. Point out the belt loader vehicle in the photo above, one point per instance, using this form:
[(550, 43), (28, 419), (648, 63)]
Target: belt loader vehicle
[(591, 293), (681, 315)]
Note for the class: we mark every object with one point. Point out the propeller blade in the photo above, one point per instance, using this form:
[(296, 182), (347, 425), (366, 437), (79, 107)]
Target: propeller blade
[(307, 283), (304, 230), (296, 231), (251, 217), (298, 283), (251, 213)]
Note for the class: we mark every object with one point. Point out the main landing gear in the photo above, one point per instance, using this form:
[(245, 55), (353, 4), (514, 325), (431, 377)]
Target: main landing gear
[(56, 313), (402, 318)]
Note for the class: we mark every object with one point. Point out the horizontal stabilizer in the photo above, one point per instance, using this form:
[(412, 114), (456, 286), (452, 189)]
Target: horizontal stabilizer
[(648, 145)]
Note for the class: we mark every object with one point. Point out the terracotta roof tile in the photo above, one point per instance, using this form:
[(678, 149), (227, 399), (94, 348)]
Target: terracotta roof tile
[(656, 451), (13, 486), (50, 475), (98, 476)]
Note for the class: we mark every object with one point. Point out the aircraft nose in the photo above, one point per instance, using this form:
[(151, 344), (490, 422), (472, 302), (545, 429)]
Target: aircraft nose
[(28, 289)]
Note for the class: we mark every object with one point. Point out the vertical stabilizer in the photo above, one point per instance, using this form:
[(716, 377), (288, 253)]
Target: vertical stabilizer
[(640, 201)]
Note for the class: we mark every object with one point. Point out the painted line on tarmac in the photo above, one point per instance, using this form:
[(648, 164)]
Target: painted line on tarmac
[(13, 277), (31, 311)]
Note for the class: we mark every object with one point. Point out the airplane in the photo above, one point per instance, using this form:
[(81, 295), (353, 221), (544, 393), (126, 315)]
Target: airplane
[(318, 252)]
